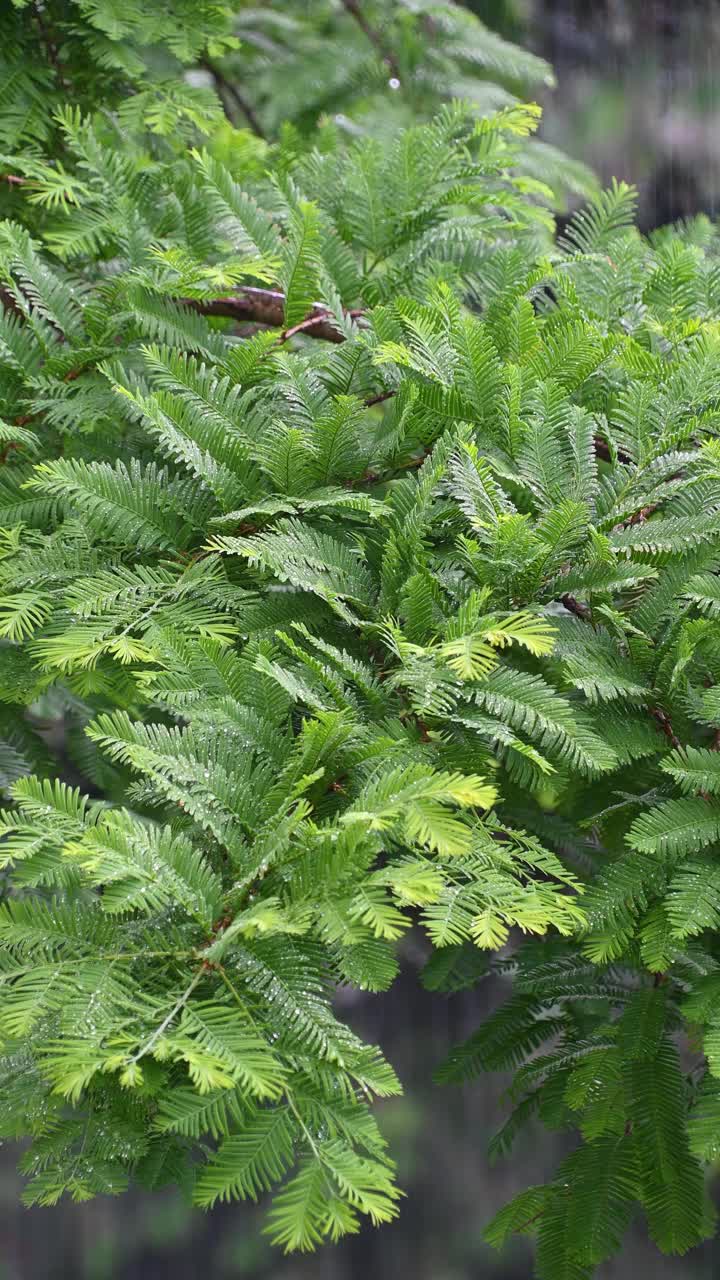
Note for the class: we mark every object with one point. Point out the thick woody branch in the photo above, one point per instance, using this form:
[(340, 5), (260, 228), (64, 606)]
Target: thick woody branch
[(267, 306)]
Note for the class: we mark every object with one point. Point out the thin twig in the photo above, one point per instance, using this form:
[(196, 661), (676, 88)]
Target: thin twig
[(529, 1221), (305, 326), (375, 37), (639, 517), (226, 89), (179, 1004), (665, 723), (51, 47), (311, 322), (379, 399)]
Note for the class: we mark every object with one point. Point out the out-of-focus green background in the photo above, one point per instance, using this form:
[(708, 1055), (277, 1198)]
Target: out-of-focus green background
[(638, 97)]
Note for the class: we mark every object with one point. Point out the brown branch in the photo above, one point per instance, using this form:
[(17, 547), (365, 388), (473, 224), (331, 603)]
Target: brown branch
[(226, 89), (665, 723), (5, 453), (267, 306), (376, 40), (641, 516), (577, 607), (638, 517), (313, 321), (604, 452), (380, 398), (602, 449), (51, 48)]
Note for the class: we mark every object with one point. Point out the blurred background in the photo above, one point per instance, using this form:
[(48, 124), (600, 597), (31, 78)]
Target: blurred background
[(638, 92), (638, 97)]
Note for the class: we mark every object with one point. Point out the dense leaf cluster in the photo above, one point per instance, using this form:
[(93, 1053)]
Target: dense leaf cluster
[(367, 542), (185, 68)]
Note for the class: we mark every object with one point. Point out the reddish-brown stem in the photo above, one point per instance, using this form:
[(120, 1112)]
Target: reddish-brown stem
[(577, 607), (665, 724), (312, 322), (51, 48), (638, 518), (379, 398)]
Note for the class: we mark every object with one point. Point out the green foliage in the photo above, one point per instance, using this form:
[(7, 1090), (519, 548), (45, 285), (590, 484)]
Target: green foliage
[(186, 70), (378, 66), (366, 542)]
